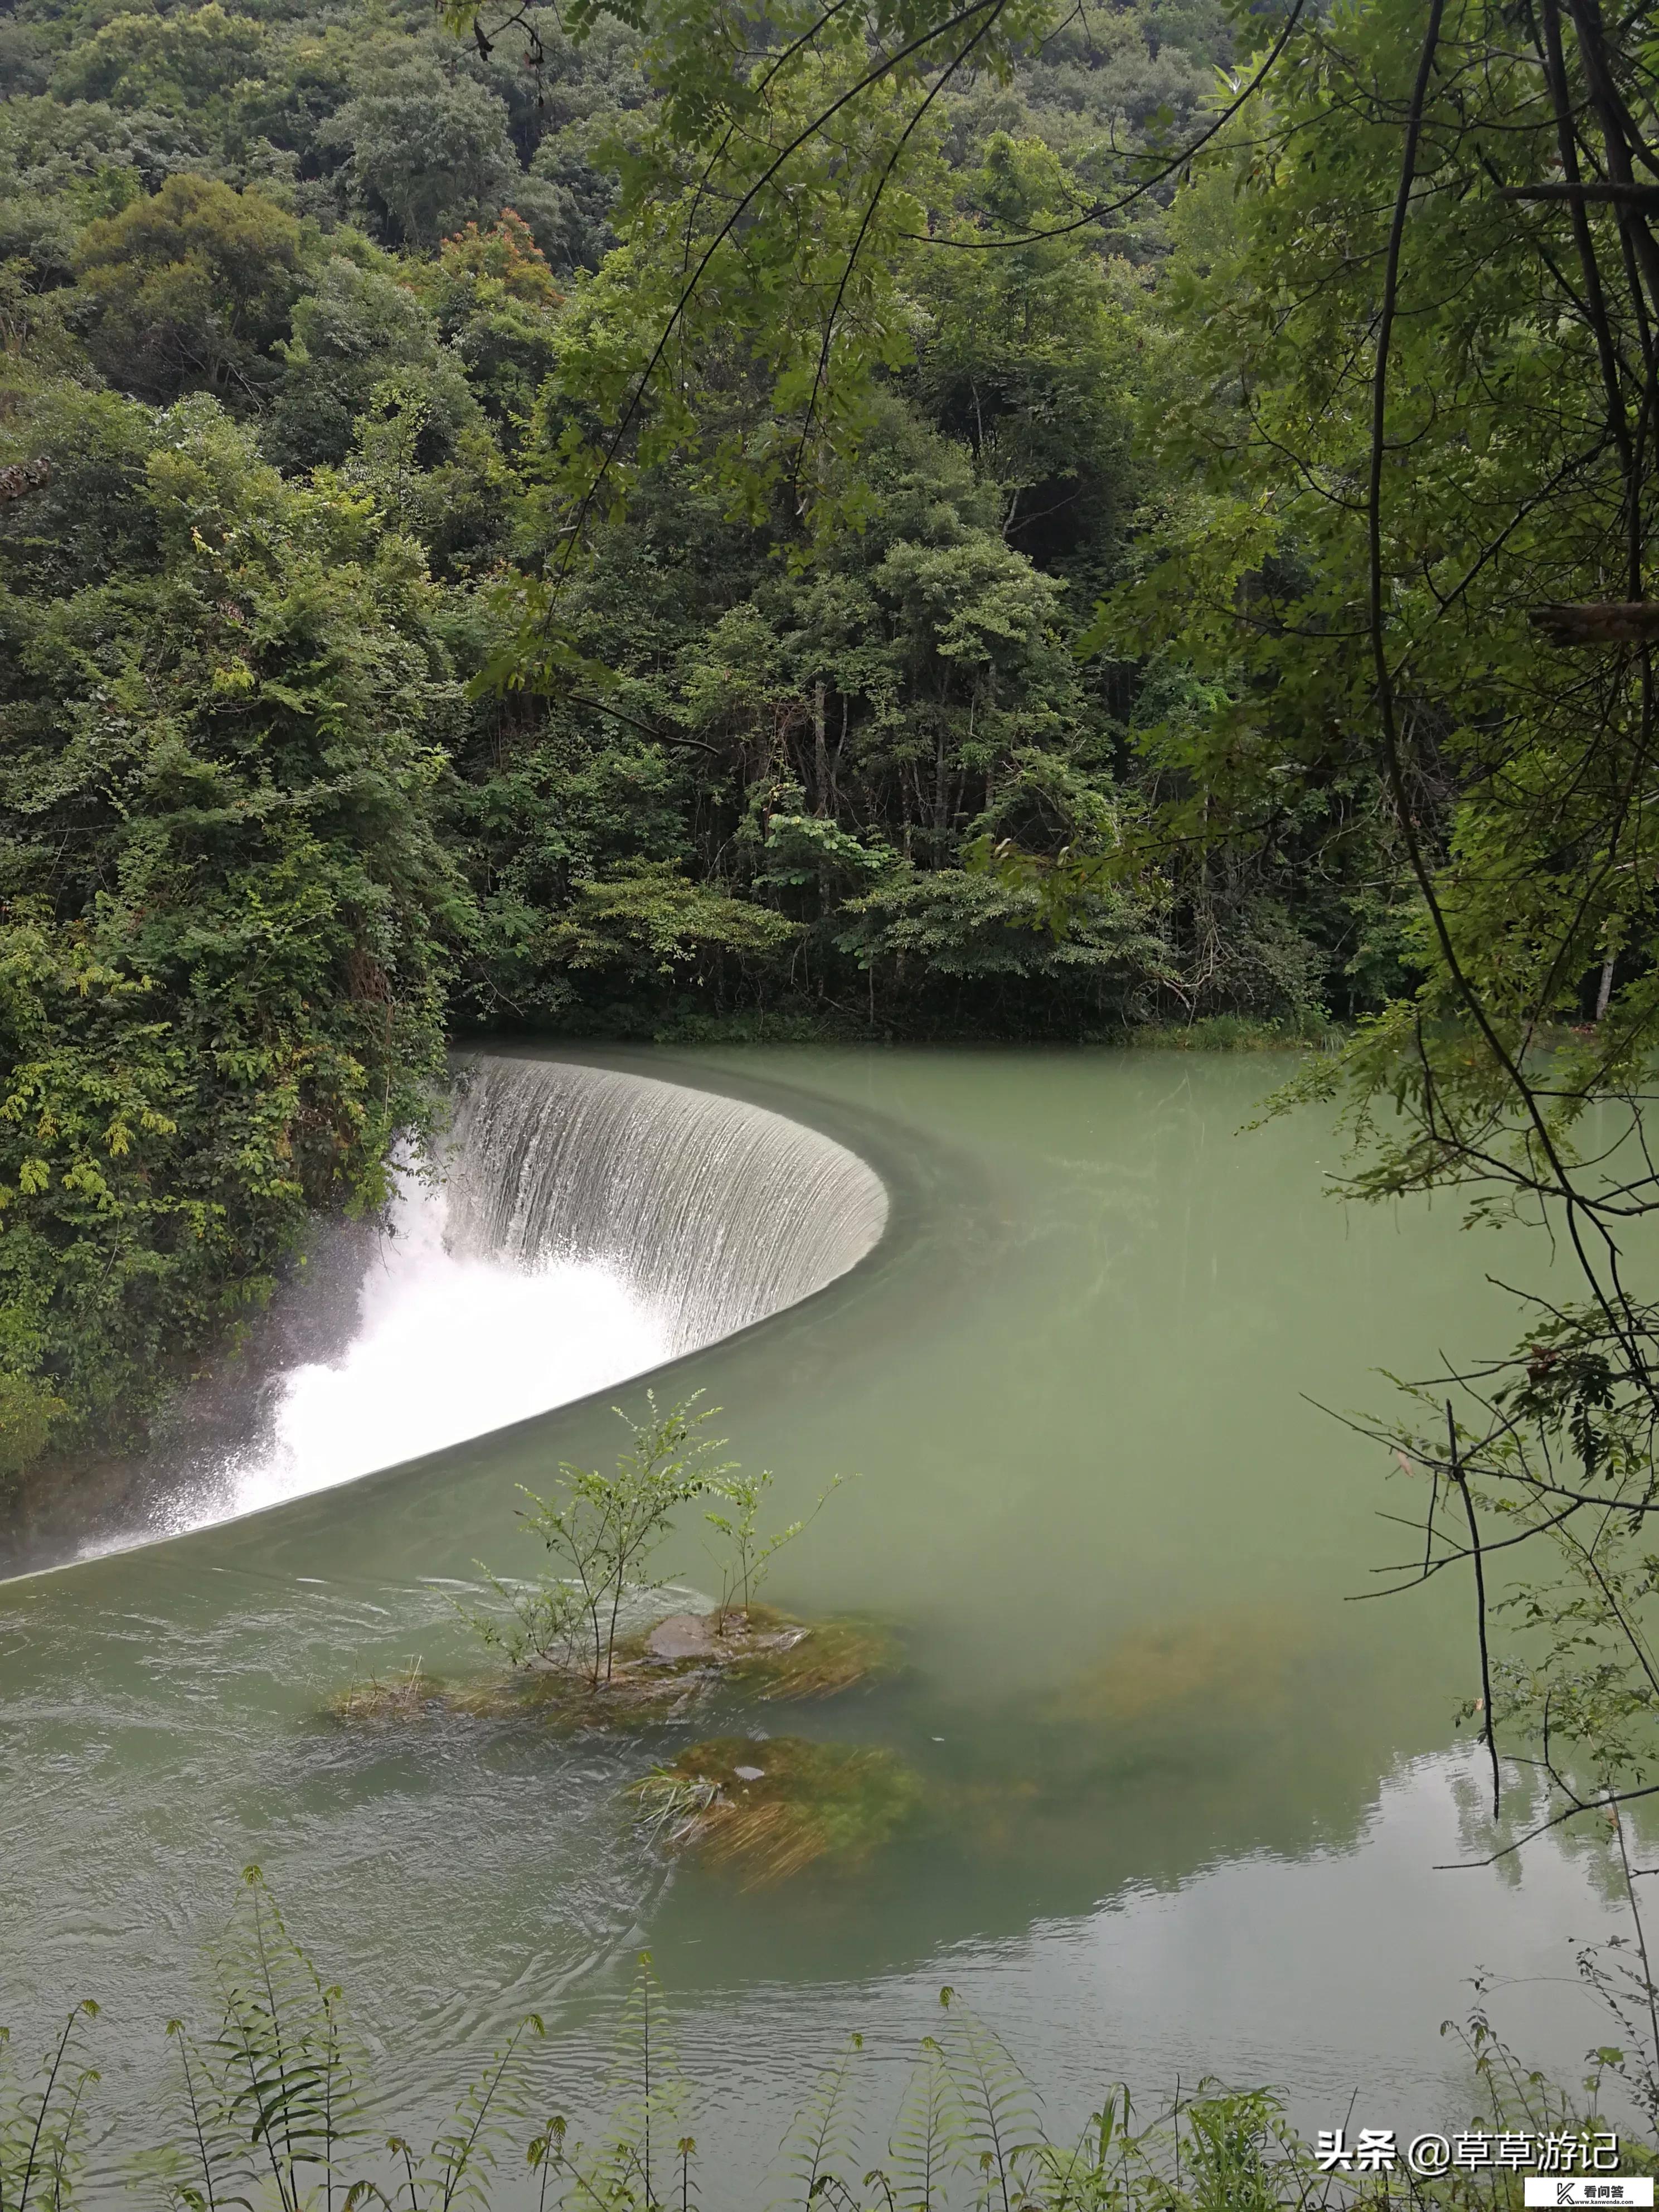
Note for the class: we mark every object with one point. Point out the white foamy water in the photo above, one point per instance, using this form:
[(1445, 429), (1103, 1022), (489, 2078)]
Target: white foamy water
[(447, 1345), (589, 1226)]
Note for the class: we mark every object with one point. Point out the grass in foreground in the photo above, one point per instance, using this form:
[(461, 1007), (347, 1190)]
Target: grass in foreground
[(969, 2133)]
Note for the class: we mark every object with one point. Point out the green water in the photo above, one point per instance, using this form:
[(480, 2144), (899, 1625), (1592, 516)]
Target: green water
[(1188, 1796)]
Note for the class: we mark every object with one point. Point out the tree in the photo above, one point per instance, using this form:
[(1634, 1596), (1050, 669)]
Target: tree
[(225, 905), (1418, 346), (426, 151), (599, 1532), (190, 289), (361, 330), (173, 62), (493, 299), (1030, 360)]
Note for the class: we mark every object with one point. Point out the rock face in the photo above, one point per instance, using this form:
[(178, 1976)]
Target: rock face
[(683, 1636)]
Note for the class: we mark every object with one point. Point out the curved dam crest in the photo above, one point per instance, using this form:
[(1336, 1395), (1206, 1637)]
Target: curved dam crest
[(587, 1226), (714, 1212)]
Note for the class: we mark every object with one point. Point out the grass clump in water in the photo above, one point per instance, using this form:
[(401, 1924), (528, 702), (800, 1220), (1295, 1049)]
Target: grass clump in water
[(764, 1653), (409, 1696), (771, 1806), (564, 1701), (790, 1659)]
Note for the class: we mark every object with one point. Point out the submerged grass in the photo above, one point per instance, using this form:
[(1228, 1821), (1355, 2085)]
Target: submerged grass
[(824, 1658), (765, 1653), (554, 1699), (409, 1696), (770, 1807)]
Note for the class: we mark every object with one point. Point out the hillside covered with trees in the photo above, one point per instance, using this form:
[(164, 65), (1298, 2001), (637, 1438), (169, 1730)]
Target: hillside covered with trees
[(295, 305)]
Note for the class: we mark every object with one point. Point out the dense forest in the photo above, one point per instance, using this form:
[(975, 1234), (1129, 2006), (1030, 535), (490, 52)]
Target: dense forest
[(294, 301), (930, 662)]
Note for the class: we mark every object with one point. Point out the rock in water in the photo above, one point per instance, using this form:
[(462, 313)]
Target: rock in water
[(750, 1773), (682, 1636), (785, 1640)]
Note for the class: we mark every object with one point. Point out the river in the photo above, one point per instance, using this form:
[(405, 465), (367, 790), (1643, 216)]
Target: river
[(1082, 1382)]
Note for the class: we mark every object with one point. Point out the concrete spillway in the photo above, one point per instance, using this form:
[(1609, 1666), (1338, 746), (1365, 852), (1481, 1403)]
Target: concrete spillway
[(712, 1212), (581, 1226)]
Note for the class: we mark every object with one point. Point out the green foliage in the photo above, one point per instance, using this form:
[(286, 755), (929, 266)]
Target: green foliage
[(494, 299), (644, 2135), (648, 921), (176, 62), (28, 1409), (271, 2101), (359, 333), (543, 643), (746, 1555), (599, 1532), (190, 290), (953, 924), (220, 960), (1029, 360), (1511, 756), (425, 151), (274, 2100), (40, 2125)]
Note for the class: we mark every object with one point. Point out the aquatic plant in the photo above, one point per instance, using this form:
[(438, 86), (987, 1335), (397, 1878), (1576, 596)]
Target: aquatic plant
[(772, 1805), (635, 1697), (599, 1533), (405, 1696), (764, 1653), (788, 1659), (747, 1556)]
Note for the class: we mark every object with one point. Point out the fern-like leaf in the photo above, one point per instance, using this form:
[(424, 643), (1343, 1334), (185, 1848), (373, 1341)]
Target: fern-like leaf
[(271, 2097), (820, 2149), (929, 2139), (1002, 2126), (40, 2126), (465, 2152)]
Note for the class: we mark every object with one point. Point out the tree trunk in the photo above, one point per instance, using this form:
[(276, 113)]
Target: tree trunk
[(1609, 622)]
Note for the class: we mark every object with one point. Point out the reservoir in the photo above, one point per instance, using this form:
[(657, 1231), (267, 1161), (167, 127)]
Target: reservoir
[(1081, 1340)]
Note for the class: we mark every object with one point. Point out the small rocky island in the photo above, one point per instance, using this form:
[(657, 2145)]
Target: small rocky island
[(684, 1662)]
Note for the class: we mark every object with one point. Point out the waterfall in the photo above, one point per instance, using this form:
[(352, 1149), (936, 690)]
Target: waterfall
[(715, 1214), (585, 1227)]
